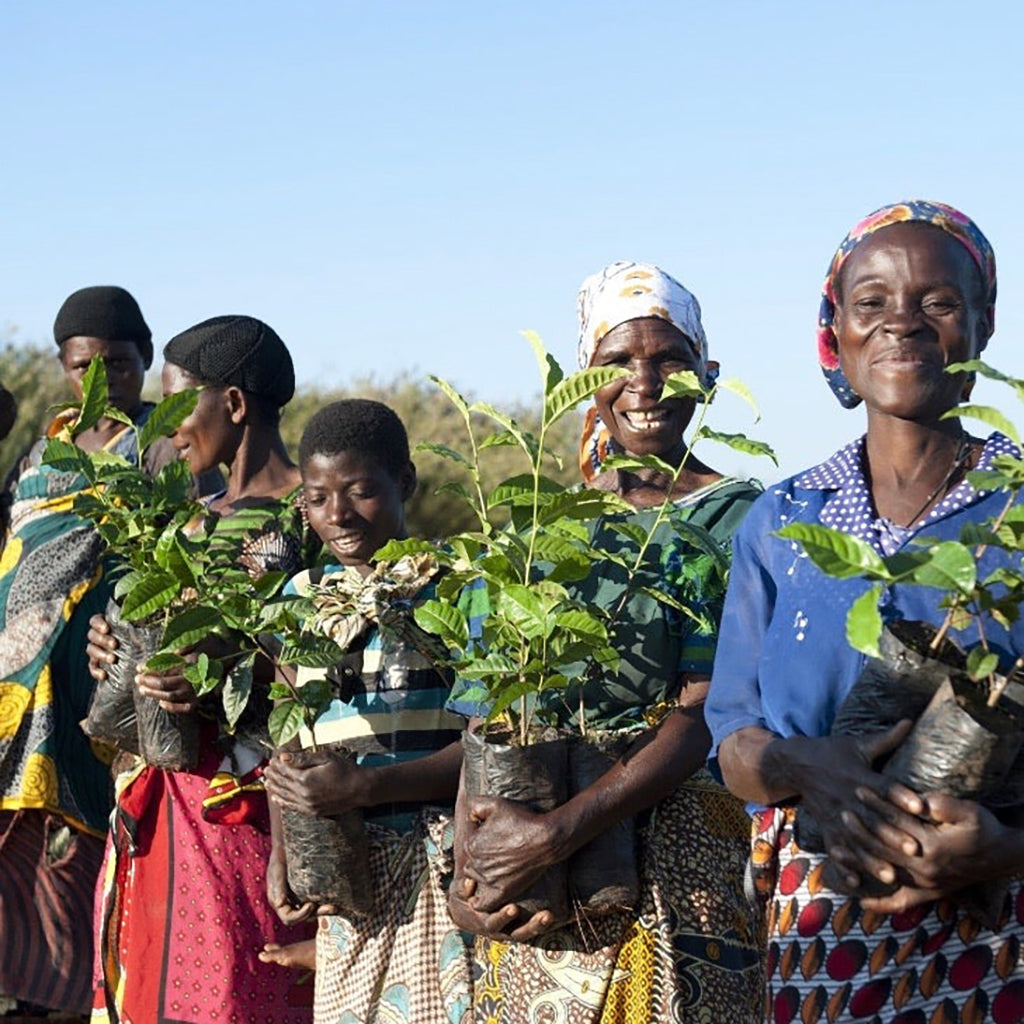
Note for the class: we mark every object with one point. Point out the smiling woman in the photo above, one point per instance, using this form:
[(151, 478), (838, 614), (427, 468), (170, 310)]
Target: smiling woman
[(688, 950), (911, 290)]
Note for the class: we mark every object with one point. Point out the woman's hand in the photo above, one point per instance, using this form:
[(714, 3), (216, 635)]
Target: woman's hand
[(508, 924), (825, 772), (945, 846), (101, 647), (280, 896), (329, 784), (171, 688), (508, 847)]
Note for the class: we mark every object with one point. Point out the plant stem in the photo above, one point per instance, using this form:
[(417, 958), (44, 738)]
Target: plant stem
[(999, 688)]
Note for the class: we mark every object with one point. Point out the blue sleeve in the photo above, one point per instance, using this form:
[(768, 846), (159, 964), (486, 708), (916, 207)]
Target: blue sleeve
[(734, 698), (469, 697)]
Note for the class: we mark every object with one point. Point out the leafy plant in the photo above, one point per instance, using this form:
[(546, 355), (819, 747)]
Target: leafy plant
[(950, 566), (536, 632), (170, 567)]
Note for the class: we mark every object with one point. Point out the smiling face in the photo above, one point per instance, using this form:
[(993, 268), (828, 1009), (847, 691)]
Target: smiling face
[(910, 302), (123, 361), (210, 435), (630, 408), (354, 504)]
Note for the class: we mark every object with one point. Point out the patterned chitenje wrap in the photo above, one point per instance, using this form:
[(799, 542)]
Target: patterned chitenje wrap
[(919, 211), (51, 561), (626, 291)]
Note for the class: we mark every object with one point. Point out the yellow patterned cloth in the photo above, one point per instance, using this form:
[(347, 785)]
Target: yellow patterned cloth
[(691, 954)]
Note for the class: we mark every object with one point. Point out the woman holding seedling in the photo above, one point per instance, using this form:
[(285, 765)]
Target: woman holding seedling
[(184, 911), (689, 948), (910, 291)]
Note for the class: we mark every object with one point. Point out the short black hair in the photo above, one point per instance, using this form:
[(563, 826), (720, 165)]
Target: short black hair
[(360, 425)]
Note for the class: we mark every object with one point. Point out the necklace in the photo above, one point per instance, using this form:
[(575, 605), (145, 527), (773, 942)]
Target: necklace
[(961, 456)]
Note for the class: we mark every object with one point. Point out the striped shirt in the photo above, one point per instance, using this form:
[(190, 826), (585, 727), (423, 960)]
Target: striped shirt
[(387, 710)]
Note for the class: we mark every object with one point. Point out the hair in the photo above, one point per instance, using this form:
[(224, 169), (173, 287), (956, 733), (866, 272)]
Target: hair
[(268, 412), (357, 425)]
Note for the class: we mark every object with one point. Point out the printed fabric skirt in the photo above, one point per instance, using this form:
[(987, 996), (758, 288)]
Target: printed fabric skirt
[(830, 960), (47, 879), (406, 963), (182, 912), (692, 953)]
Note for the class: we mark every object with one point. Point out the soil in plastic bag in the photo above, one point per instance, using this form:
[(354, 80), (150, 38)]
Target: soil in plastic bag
[(166, 740), (536, 775), (112, 718), (603, 874), (328, 859)]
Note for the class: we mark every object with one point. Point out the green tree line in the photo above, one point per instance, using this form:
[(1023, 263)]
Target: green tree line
[(33, 374)]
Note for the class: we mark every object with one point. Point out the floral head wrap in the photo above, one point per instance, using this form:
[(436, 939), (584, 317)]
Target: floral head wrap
[(950, 220), (621, 292)]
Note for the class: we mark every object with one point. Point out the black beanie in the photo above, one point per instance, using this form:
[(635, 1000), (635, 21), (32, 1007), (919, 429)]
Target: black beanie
[(104, 311), (236, 350)]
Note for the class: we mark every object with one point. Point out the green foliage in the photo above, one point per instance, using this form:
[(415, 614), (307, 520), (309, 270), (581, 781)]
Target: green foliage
[(948, 566), (536, 631)]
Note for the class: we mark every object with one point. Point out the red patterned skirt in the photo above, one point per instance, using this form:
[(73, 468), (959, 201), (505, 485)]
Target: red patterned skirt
[(830, 960)]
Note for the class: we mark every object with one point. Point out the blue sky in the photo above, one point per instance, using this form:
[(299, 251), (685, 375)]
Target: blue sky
[(403, 186)]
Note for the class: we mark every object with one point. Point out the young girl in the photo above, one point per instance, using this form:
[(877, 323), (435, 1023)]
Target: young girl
[(406, 960)]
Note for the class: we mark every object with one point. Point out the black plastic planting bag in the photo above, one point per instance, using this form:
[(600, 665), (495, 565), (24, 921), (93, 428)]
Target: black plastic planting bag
[(328, 859), (535, 775), (111, 718), (603, 874)]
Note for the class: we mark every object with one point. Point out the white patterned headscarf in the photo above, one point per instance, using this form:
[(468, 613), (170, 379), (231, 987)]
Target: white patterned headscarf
[(621, 292)]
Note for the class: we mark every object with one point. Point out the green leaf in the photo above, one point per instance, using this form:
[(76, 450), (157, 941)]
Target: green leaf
[(165, 419), (309, 651), (68, 458), (456, 399), (583, 504), (191, 626), (949, 565), (521, 605), (984, 370), (518, 490), (499, 439), (981, 663), (523, 438), (315, 695), (987, 414), (487, 667), (864, 622), (737, 387), (203, 674), (443, 451), (285, 721), (738, 442), (155, 591), (94, 396), (237, 687), (550, 371), (631, 463), (682, 384), (444, 621), (578, 387), (836, 553), (164, 661), (582, 624)]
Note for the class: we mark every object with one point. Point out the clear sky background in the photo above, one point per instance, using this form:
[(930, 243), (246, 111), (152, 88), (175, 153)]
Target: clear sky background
[(403, 186)]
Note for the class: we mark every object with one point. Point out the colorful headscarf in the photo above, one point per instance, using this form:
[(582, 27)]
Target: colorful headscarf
[(621, 292), (950, 220)]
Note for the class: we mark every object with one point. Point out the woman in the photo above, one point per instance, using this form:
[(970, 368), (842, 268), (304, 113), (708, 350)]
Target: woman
[(689, 950), (184, 911), (910, 291), (403, 960), (55, 793)]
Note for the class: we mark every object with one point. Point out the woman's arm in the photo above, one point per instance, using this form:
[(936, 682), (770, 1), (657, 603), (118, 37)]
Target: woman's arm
[(333, 785)]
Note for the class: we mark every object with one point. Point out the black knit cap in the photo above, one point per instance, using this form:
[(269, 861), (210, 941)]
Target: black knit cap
[(104, 311), (236, 350)]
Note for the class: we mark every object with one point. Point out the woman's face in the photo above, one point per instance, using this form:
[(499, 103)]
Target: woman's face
[(631, 408), (209, 436), (911, 301), (125, 368), (354, 504)]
